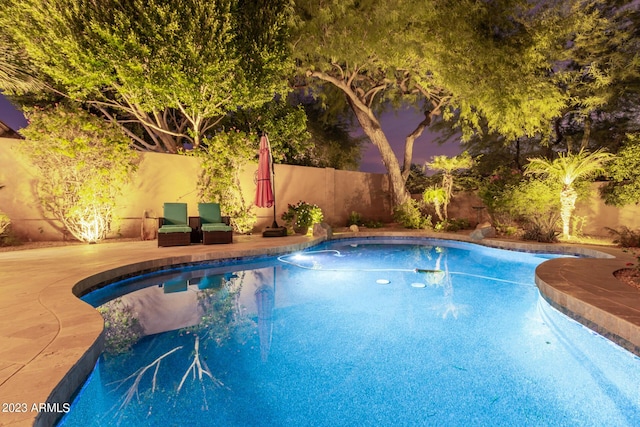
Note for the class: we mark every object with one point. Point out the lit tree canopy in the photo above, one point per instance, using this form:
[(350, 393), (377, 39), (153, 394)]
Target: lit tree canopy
[(172, 67), (483, 62), (600, 73)]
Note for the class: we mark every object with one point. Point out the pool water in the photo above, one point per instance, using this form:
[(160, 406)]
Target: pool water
[(354, 332)]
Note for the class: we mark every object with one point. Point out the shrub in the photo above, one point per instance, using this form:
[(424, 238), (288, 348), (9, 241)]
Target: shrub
[(354, 219), (544, 229), (409, 215), (5, 222), (624, 172), (452, 225), (625, 237), (302, 215), (495, 192), (6, 237), (223, 157), (83, 163)]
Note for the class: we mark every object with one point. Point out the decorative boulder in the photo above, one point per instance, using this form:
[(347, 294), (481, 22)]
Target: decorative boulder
[(354, 228), (482, 231), (322, 230)]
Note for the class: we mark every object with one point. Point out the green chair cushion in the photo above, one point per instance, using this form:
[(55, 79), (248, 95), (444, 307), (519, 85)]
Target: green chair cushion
[(209, 213), (220, 226), (175, 214), (174, 229)]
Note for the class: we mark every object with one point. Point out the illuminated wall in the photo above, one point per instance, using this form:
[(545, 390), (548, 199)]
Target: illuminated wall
[(172, 178)]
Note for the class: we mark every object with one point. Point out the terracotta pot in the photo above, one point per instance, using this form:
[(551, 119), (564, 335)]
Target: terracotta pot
[(301, 230)]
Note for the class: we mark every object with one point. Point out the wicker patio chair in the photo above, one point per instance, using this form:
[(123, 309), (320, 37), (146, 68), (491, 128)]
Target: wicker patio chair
[(173, 228), (215, 228)]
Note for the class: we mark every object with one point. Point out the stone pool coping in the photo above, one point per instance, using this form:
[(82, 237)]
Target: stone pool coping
[(50, 340)]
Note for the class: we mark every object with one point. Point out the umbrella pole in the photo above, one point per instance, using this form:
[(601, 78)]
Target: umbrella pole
[(273, 184)]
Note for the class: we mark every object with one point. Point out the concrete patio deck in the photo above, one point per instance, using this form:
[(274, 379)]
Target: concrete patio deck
[(50, 340)]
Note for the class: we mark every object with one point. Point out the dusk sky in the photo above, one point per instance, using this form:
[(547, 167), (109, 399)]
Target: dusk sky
[(395, 124), (10, 115)]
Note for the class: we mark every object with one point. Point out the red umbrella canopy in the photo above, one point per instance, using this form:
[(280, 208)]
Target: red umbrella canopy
[(264, 190)]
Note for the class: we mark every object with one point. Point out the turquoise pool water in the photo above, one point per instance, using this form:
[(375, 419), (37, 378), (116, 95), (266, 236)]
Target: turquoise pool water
[(354, 332)]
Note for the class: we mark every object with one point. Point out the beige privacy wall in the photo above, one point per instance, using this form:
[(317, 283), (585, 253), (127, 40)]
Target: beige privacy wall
[(173, 178)]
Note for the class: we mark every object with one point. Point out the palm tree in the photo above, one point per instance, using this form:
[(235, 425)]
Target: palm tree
[(435, 196), (568, 168), (449, 165)]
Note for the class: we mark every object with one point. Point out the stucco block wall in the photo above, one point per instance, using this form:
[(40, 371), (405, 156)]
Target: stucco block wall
[(173, 178)]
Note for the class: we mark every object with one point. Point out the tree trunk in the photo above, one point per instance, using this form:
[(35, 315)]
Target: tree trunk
[(568, 199), (372, 129), (447, 185)]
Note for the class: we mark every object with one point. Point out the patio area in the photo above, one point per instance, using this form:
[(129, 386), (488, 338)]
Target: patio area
[(50, 340)]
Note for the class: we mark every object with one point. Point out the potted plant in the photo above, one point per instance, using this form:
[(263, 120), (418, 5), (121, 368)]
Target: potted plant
[(301, 216)]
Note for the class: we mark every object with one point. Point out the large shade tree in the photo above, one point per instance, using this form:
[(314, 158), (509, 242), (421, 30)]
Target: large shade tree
[(167, 70), (486, 63), (601, 75)]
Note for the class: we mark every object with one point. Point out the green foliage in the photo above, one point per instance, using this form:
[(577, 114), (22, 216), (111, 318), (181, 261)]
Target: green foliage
[(448, 166), (16, 74), (5, 222), (530, 204), (168, 68), (484, 64), (298, 133), (83, 164), (333, 146), (600, 73), (624, 172), (285, 124), (452, 225), (436, 196), (544, 229), (302, 215), (532, 199), (223, 157), (121, 327), (566, 170), (418, 181), (535, 205), (356, 218), (409, 215), (568, 167), (495, 192), (625, 237)]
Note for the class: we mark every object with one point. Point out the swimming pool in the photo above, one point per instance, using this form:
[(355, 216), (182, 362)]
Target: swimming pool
[(458, 336)]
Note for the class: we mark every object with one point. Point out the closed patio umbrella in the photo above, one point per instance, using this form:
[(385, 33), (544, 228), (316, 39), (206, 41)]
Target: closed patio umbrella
[(265, 188)]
